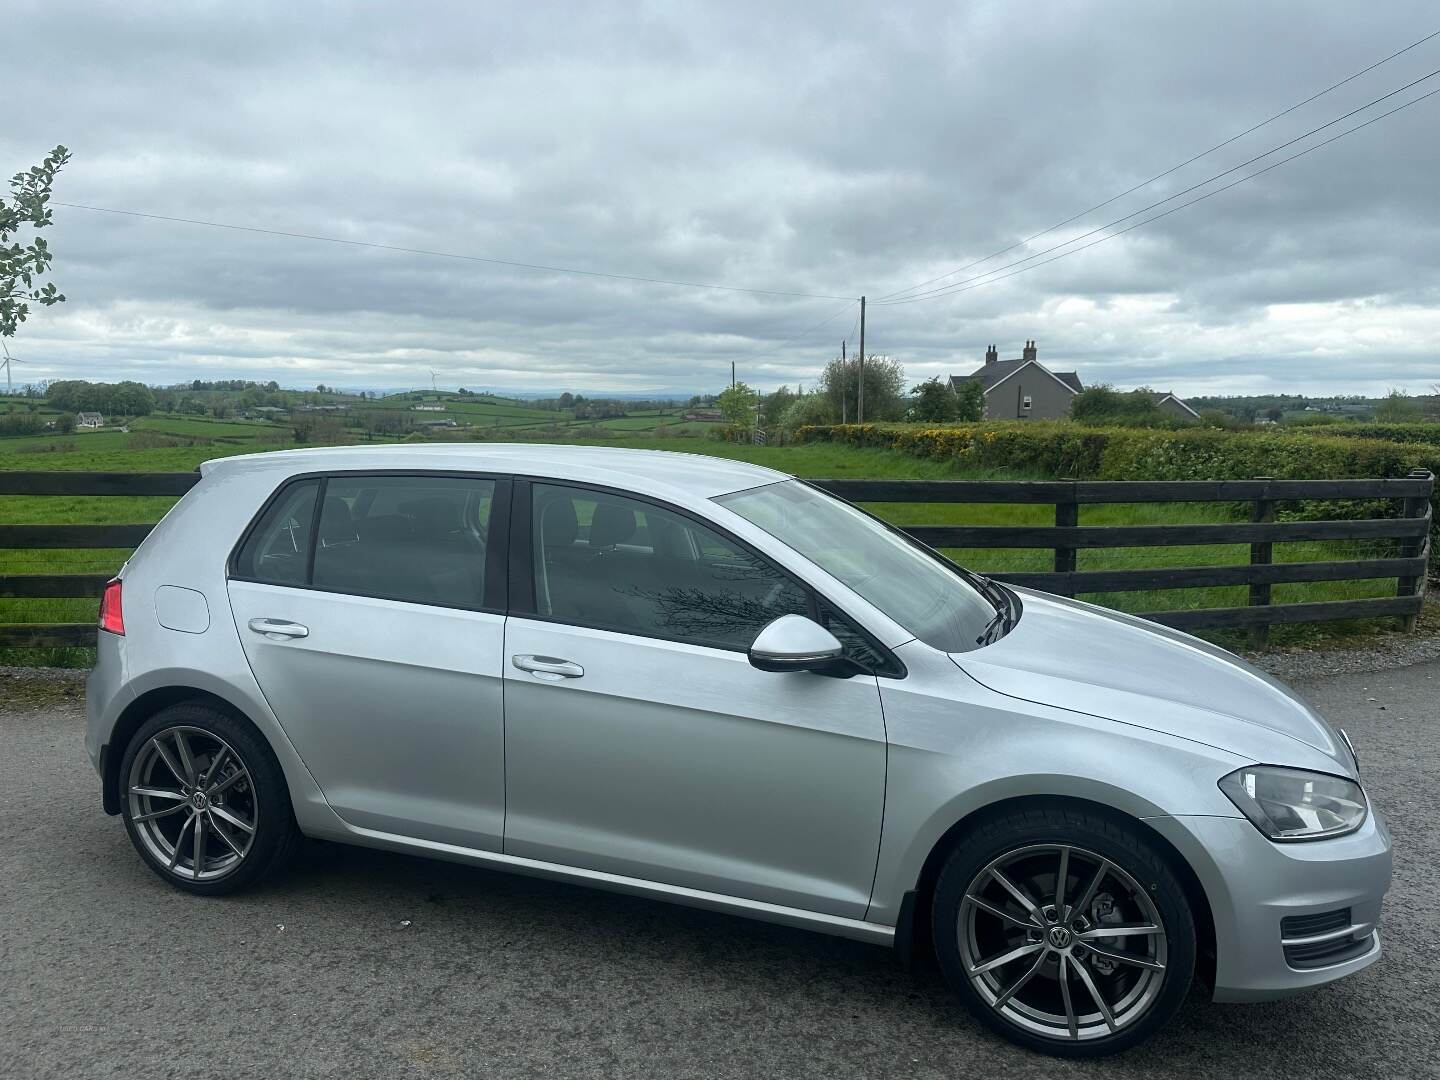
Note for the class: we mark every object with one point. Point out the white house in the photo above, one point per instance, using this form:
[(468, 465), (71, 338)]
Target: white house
[(90, 420)]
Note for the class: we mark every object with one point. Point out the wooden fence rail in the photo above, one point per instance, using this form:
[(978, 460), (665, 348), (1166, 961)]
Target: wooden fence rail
[(1066, 538), (1410, 531)]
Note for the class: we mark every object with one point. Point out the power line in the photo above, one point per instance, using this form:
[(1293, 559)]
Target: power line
[(810, 330), (956, 286), (1161, 175), (448, 254), (1202, 198)]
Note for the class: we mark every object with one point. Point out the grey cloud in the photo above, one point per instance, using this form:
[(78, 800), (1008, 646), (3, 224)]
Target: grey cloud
[(813, 148)]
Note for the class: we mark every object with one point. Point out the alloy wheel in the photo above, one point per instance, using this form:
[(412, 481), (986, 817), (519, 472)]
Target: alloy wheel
[(192, 803), (1062, 942)]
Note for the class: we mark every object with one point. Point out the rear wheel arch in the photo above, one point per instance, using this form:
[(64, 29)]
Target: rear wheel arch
[(916, 930), (141, 709)]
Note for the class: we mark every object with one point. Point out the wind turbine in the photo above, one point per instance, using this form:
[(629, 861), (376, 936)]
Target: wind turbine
[(9, 382), (432, 382)]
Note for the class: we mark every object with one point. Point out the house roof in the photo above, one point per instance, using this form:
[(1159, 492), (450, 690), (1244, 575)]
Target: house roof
[(991, 375), (1069, 378), (91, 416), (1160, 396)]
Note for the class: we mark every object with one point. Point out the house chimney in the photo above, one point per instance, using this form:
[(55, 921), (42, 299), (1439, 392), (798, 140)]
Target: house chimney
[(1029, 353), (991, 355)]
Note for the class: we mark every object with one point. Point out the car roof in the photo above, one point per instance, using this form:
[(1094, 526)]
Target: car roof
[(694, 475)]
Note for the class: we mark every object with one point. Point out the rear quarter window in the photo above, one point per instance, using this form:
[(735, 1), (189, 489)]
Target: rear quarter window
[(277, 550)]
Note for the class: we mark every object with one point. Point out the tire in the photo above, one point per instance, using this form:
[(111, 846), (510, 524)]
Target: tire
[(191, 745), (1115, 877)]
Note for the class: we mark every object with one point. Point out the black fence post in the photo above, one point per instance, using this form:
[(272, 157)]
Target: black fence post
[(1067, 515), (1262, 510), (1415, 507)]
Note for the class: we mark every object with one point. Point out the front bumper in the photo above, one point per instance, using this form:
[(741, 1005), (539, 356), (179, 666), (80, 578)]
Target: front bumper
[(1252, 884)]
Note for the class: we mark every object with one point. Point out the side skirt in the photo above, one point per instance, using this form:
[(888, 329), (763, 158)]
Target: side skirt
[(856, 929)]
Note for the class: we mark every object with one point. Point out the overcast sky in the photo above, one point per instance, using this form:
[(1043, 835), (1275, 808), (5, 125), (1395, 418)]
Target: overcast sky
[(813, 148)]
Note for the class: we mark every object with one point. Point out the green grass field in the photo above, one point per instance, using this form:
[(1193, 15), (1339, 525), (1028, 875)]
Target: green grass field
[(113, 451)]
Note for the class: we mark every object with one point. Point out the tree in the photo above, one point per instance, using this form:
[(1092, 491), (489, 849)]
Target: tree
[(737, 404), (972, 401), (884, 387), (773, 406), (21, 264), (1397, 407), (127, 398), (937, 401), (806, 410)]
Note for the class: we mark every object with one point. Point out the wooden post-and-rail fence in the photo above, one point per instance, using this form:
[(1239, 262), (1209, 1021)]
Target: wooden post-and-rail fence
[(1065, 538)]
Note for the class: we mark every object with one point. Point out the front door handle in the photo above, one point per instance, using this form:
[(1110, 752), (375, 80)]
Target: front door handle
[(548, 667), (275, 629)]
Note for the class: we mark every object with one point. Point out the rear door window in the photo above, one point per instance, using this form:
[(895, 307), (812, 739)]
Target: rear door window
[(416, 538), (421, 539)]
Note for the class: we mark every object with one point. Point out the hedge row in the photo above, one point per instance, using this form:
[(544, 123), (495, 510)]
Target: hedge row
[(1402, 433), (1060, 449)]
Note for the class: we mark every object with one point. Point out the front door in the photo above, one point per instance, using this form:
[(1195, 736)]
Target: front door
[(369, 613), (639, 740)]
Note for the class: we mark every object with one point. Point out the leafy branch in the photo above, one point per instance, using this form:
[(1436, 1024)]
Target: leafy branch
[(21, 265)]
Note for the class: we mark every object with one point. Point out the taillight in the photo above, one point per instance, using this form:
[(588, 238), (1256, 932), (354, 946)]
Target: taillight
[(112, 618)]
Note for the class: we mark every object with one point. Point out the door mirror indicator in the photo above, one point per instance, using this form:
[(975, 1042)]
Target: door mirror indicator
[(795, 643)]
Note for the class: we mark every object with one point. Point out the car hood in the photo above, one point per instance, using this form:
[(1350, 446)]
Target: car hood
[(1080, 657)]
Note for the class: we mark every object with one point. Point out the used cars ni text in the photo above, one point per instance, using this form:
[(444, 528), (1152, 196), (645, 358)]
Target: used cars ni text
[(707, 682)]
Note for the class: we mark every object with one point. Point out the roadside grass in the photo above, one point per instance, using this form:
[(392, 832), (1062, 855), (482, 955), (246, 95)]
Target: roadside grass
[(809, 460)]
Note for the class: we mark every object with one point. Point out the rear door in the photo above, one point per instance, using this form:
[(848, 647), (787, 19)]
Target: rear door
[(371, 608), (639, 739)]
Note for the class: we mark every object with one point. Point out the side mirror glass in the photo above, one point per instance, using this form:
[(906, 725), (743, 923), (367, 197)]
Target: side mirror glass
[(795, 643)]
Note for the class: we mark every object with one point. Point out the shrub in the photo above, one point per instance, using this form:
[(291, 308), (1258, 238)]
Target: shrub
[(1104, 406)]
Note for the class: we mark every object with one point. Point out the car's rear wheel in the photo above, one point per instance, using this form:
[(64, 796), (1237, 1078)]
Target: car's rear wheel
[(204, 800), (1064, 931)]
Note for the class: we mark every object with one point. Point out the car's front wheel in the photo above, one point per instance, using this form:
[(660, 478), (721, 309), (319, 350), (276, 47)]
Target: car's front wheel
[(204, 800), (1064, 931)]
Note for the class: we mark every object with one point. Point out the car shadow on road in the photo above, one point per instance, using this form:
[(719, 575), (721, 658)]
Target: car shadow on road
[(456, 910)]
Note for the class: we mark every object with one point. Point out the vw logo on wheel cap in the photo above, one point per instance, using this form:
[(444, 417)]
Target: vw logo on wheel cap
[(1059, 937)]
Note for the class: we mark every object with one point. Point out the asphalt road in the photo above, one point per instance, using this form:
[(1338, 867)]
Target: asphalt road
[(359, 963)]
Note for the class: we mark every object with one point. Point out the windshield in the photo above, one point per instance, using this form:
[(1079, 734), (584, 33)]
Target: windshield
[(921, 593)]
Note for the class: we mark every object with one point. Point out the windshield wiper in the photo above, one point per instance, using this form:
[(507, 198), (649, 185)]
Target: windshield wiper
[(990, 589), (1003, 602)]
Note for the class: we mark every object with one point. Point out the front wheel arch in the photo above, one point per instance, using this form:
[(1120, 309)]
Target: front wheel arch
[(914, 931)]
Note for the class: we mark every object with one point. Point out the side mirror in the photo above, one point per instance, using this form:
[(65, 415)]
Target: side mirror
[(795, 643)]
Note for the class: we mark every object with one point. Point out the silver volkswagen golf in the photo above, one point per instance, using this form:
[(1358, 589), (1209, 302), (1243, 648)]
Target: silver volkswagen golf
[(706, 682)]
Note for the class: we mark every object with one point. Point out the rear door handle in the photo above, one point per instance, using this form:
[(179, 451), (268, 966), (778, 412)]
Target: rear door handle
[(275, 629), (548, 667)]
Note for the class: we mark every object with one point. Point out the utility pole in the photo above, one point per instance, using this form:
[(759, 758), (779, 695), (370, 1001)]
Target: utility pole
[(860, 400), (732, 373)]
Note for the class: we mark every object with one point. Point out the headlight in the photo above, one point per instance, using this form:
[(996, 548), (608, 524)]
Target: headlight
[(1291, 804)]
